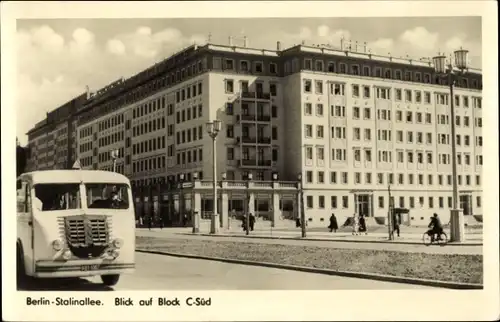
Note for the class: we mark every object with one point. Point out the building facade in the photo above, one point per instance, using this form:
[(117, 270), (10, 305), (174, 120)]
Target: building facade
[(352, 124), (52, 142)]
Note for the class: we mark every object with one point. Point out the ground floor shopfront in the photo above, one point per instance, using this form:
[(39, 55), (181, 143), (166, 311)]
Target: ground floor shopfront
[(176, 204)]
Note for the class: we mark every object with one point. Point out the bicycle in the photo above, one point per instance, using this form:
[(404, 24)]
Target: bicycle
[(440, 240)]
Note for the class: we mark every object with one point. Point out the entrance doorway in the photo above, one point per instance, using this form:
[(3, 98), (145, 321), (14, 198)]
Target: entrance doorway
[(363, 204), (466, 204)]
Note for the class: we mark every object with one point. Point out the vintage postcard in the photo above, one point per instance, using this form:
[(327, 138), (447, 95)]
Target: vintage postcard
[(227, 161)]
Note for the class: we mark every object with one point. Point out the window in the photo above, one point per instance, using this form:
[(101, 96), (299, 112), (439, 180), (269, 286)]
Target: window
[(319, 87), (229, 86), (319, 65), (368, 155), (366, 113), (408, 95), (308, 130), (272, 89), (383, 93), (273, 68), (319, 109), (368, 134), (244, 67), (355, 90), (319, 131), (229, 109), (356, 133), (321, 202), (230, 153), (308, 109), (366, 71), (366, 91), (337, 89), (258, 67), (343, 68), (355, 113), (333, 202), (229, 64), (399, 95), (309, 201), (345, 202), (427, 97), (307, 85), (418, 97), (308, 64), (230, 131), (409, 117), (331, 67)]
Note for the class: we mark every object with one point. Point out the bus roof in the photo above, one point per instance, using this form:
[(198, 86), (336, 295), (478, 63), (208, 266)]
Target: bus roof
[(74, 176)]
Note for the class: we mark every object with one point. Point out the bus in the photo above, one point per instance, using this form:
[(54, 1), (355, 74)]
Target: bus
[(74, 223)]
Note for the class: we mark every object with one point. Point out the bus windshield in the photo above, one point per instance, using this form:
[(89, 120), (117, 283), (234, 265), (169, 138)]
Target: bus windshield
[(107, 195), (49, 197)]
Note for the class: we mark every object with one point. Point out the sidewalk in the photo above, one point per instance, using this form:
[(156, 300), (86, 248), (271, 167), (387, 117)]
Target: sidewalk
[(347, 242), (377, 237)]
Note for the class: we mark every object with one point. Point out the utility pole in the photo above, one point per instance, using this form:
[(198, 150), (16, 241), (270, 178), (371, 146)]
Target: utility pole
[(389, 213)]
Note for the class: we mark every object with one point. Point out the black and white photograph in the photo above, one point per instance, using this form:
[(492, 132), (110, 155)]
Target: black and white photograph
[(250, 154)]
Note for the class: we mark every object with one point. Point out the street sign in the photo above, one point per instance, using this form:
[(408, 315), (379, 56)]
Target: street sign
[(77, 165)]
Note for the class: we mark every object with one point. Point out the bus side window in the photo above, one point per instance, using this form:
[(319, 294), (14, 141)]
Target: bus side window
[(21, 197), (28, 198)]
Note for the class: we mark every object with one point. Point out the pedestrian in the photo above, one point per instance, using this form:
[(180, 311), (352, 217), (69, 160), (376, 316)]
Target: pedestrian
[(362, 224), (150, 222), (160, 222), (355, 224), (244, 223), (297, 222), (184, 219), (396, 222), (333, 223), (251, 221)]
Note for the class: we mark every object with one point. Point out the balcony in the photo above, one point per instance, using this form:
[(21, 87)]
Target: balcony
[(264, 118), (248, 139), (264, 140), (255, 163), (255, 95), (248, 117)]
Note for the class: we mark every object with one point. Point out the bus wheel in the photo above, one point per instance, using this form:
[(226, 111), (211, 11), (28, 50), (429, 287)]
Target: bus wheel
[(20, 269), (110, 280)]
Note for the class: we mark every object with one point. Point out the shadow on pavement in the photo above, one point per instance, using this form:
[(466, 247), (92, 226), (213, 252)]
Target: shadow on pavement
[(62, 284)]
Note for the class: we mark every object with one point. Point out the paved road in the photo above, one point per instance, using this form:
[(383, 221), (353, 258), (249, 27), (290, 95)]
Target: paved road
[(434, 249), (158, 272)]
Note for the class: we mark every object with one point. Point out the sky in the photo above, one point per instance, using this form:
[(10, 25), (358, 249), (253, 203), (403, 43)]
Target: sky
[(57, 58)]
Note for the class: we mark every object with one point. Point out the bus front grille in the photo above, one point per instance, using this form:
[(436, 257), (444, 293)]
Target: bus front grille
[(87, 235)]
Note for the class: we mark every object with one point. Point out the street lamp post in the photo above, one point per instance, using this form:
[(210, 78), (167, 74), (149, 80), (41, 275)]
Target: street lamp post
[(247, 215), (302, 208), (115, 153), (447, 70), (182, 211), (213, 128)]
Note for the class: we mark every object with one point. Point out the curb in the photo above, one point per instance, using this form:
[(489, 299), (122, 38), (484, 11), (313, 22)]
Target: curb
[(330, 239), (371, 276)]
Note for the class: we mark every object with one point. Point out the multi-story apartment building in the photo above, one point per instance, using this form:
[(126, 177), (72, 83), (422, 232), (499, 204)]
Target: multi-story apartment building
[(352, 124), (52, 141)]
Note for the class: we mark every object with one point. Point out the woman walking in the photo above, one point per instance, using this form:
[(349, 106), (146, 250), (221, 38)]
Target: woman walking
[(333, 223)]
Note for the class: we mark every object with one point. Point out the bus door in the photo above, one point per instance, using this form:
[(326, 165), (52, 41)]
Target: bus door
[(25, 222)]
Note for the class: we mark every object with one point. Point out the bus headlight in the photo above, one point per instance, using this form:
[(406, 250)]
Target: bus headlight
[(57, 245), (115, 253), (117, 243), (66, 255)]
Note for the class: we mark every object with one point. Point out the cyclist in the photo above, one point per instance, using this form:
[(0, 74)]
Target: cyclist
[(436, 228)]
